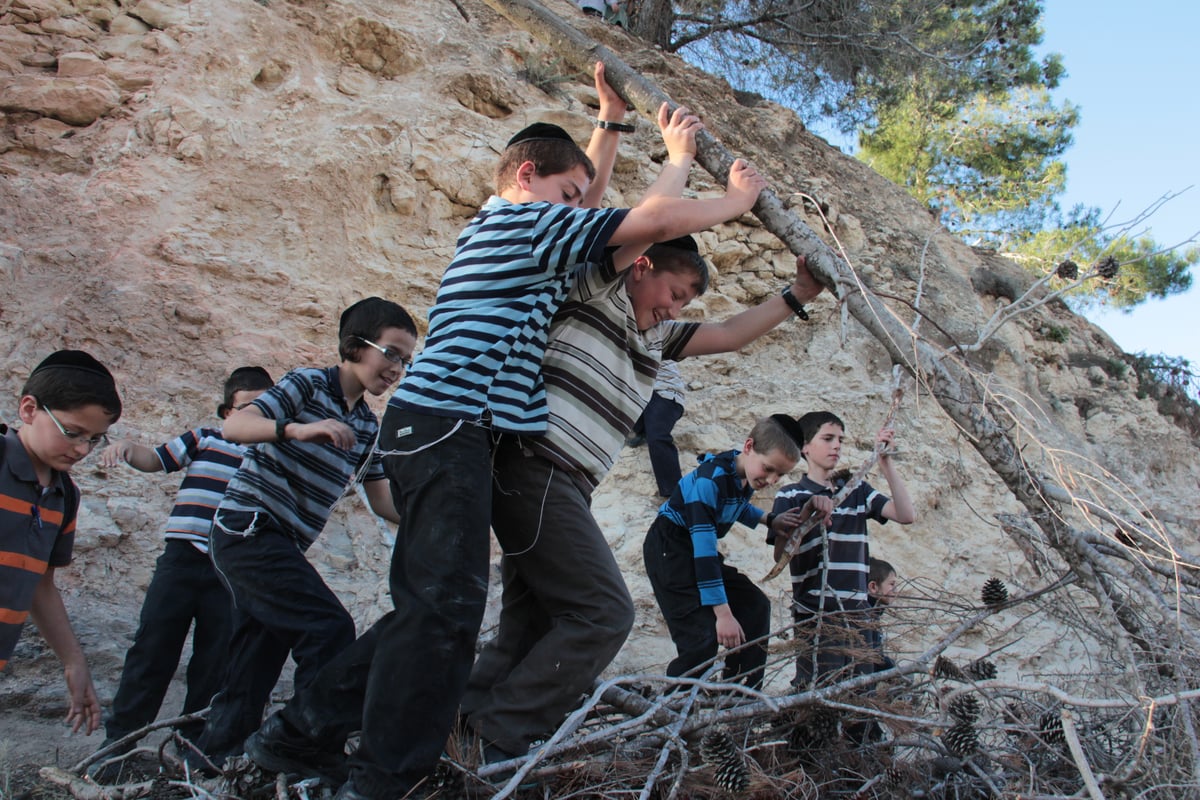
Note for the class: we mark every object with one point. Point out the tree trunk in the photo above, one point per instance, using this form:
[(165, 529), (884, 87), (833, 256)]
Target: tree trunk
[(651, 20)]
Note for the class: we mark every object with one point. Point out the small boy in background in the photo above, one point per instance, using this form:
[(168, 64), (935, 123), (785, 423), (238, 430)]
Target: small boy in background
[(66, 407), (184, 590), (832, 589), (313, 435), (881, 591), (706, 602)]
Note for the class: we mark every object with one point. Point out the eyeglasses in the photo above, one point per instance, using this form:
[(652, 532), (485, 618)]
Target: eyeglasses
[(390, 353), (75, 436)]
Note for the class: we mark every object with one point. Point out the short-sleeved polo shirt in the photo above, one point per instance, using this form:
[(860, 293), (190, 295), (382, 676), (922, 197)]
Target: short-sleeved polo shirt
[(299, 483), (37, 531)]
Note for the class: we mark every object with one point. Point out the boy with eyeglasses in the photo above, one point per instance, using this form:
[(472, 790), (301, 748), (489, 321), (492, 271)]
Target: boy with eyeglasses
[(66, 406), (184, 590), (312, 435)]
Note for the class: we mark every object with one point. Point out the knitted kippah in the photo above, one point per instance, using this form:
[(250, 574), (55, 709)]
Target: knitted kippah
[(539, 132), (791, 427), (684, 242), (72, 359)]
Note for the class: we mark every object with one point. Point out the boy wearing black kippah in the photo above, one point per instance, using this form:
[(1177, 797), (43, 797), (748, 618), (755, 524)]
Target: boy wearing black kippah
[(66, 407)]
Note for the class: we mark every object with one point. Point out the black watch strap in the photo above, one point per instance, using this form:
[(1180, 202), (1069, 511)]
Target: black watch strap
[(619, 127), (795, 305), (281, 430)]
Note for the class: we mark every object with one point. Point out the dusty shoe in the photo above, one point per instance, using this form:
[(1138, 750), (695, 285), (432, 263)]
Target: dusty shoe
[(278, 747), (108, 769)]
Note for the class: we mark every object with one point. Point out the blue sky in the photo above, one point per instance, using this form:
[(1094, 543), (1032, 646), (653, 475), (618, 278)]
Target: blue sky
[(1133, 71)]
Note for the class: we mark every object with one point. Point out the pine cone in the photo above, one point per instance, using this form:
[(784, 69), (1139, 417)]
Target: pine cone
[(1050, 728), (1068, 270), (732, 776), (994, 592), (961, 739), (945, 668), (981, 670), (893, 777), (717, 746), (1108, 267), (816, 729), (964, 708)]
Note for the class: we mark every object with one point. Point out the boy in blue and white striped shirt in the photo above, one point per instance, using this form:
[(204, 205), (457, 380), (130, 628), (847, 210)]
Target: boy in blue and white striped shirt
[(477, 379), (184, 590)]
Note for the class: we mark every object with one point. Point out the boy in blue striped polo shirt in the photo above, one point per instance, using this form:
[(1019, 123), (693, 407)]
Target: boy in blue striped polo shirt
[(312, 436), (184, 590), (707, 603), (478, 378), (66, 407)]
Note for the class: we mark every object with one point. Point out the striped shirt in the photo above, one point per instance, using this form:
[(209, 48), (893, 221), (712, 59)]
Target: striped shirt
[(37, 531), (211, 462), (704, 506), (299, 483), (600, 372), (849, 555), (488, 326)]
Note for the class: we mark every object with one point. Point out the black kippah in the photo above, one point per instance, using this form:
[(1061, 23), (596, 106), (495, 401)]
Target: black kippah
[(72, 359), (539, 132), (684, 242), (791, 427), (353, 307)]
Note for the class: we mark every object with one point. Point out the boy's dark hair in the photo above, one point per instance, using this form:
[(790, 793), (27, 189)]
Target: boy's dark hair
[(243, 379), (682, 257), (71, 379), (879, 570), (811, 422), (366, 319), (549, 147), (770, 434)]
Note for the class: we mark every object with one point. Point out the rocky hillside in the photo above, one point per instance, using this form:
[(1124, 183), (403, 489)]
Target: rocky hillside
[(189, 187)]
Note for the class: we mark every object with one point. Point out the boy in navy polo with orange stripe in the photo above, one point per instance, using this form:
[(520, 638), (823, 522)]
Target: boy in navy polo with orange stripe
[(184, 594), (66, 407)]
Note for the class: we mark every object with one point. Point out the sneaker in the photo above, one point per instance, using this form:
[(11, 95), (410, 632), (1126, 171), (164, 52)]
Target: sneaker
[(635, 440), (108, 769), (278, 747)]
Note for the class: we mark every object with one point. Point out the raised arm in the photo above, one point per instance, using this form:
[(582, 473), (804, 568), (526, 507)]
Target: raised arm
[(899, 508), (138, 456), (741, 329), (658, 219), (602, 147), (50, 616)]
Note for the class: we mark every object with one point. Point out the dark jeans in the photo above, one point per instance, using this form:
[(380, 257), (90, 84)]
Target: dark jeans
[(656, 423), (565, 608), (402, 680), (281, 605), (184, 589), (670, 566), (836, 648)]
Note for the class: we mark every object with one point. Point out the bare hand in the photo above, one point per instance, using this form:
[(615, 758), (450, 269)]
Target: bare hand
[(745, 183), (805, 288), (788, 520), (116, 453), (679, 129), (886, 437), (729, 631), (85, 706), (330, 431), (818, 506), (612, 105)]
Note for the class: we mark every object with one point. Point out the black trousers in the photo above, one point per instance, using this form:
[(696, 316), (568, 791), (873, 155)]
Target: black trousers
[(657, 423), (281, 606), (670, 566), (402, 680), (183, 592), (565, 608)]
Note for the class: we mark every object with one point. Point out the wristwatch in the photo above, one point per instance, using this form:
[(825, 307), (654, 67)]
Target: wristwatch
[(281, 430), (795, 305), (619, 127)]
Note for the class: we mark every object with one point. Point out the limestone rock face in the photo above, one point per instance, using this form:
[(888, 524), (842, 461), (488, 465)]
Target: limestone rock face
[(190, 187)]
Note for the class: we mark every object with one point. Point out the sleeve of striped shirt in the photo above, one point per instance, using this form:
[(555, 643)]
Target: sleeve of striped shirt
[(285, 399), (179, 452), (700, 512), (876, 500), (565, 237)]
